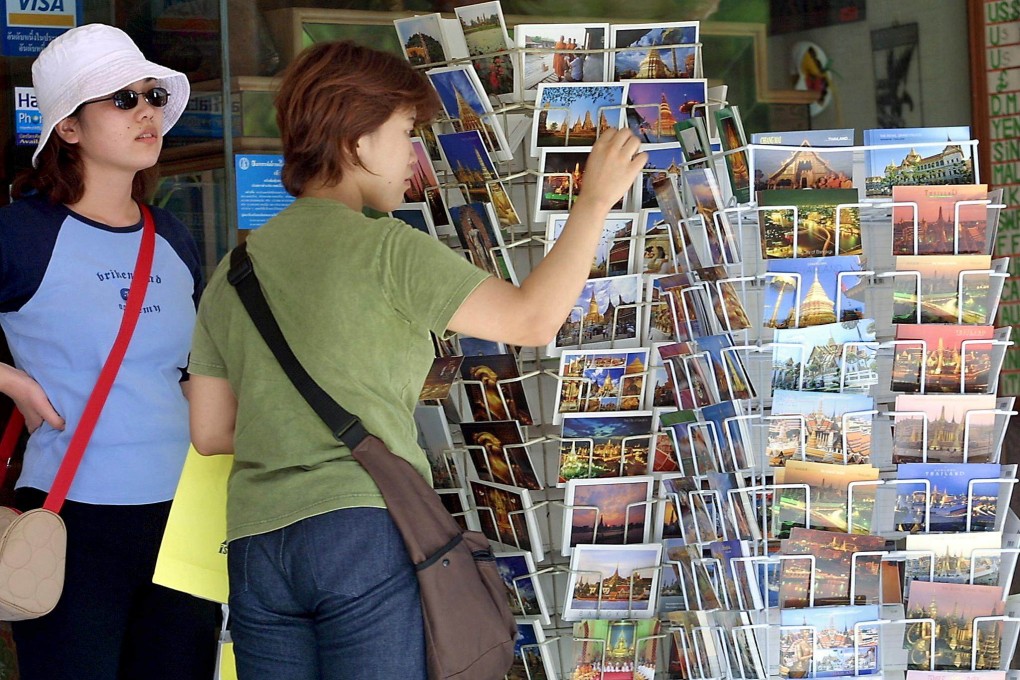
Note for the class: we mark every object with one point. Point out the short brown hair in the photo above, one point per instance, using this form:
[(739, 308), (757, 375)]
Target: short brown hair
[(333, 94), (60, 176)]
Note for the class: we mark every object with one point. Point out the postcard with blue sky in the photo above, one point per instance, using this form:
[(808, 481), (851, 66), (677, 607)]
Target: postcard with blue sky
[(574, 114), (549, 53), (730, 374), (909, 155), (813, 430), (826, 642), (655, 106), (662, 160), (812, 358), (616, 253), (601, 380), (612, 582), (524, 591), (949, 496), (733, 443), (421, 38), (465, 103), (606, 315), (667, 50), (597, 445), (531, 656), (803, 163), (812, 291)]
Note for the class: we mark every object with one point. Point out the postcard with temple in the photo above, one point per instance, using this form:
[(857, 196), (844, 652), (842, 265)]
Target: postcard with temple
[(598, 445), (655, 106), (812, 291), (524, 589), (663, 160), (615, 649), (425, 186), (601, 380), (561, 53), (734, 144), (947, 497), (945, 428), (726, 302), (823, 642), (607, 512), (575, 114), (465, 154), (943, 356), (617, 253), (607, 314), (834, 568), (822, 427), (905, 156), (612, 582), (953, 607), (690, 438), (963, 557), (532, 656), (940, 220), (485, 33), (506, 517), (493, 388), (942, 289), (666, 50), (833, 357), (478, 229), (832, 494), (730, 373), (811, 159), (683, 513)]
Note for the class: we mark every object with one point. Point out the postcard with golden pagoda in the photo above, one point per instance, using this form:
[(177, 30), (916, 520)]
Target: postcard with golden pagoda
[(498, 453), (942, 289), (524, 589), (617, 253), (464, 153), (730, 373), (811, 160), (612, 582), (598, 445), (734, 146), (708, 200), (562, 180), (687, 305), (505, 515), (834, 569), (953, 607), (827, 642), (811, 230), (829, 497), (607, 512), (425, 187), (692, 377), (574, 114), (601, 380), (941, 220), (942, 355), (683, 512), (821, 427), (961, 557), (833, 357), (906, 156), (654, 106), (663, 159), (666, 50), (615, 650), (948, 497), (945, 428), (812, 291), (468, 108), (607, 315), (493, 389), (484, 34), (561, 53), (726, 302)]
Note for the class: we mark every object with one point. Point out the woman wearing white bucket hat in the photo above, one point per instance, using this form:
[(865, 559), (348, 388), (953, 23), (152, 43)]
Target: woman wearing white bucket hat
[(68, 246)]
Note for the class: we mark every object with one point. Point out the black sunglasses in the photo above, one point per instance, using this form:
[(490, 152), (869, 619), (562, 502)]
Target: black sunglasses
[(128, 99)]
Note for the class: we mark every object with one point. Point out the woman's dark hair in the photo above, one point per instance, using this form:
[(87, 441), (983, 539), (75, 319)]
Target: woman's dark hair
[(333, 94)]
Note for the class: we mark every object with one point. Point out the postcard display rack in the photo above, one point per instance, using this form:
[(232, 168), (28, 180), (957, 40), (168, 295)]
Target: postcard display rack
[(767, 441)]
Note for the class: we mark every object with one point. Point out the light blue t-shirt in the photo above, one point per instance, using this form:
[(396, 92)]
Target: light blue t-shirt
[(63, 285)]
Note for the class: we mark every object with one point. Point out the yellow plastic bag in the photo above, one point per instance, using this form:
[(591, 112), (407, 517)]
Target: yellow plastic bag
[(189, 557)]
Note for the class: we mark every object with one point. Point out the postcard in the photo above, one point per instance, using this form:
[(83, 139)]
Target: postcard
[(695, 650), (493, 389), (930, 287), (615, 650), (812, 291), (658, 382), (477, 228), (607, 512), (484, 33), (811, 160), (830, 491), (523, 586), (673, 218), (813, 425), (825, 642), (417, 215), (561, 53), (498, 453), (532, 656), (659, 255), (655, 106), (956, 675), (941, 220), (601, 380), (696, 582), (834, 569), (738, 514), (730, 373), (944, 497), (811, 230), (464, 153), (607, 314), (904, 156), (435, 440), (685, 514), (440, 378), (687, 305), (667, 50), (468, 108), (726, 302), (693, 442), (424, 185), (473, 347), (692, 376), (967, 557), (730, 435), (421, 39), (942, 428), (708, 201), (734, 144), (833, 357), (617, 253), (574, 114), (456, 503), (562, 180), (598, 446), (677, 455), (942, 355), (953, 607), (663, 159), (693, 137), (505, 516), (612, 582)]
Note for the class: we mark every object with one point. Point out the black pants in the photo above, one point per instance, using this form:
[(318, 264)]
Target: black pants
[(112, 622)]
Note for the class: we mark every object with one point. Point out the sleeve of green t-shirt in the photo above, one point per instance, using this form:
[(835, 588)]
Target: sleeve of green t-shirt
[(205, 358), (424, 280)]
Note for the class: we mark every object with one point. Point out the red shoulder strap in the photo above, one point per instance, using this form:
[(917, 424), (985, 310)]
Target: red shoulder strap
[(94, 406)]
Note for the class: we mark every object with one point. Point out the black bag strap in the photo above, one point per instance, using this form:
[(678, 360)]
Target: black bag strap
[(346, 428)]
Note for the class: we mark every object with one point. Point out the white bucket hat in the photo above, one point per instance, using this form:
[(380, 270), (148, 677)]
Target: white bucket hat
[(95, 61)]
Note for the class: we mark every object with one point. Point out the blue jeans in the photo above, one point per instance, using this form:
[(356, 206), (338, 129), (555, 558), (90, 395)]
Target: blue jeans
[(332, 597)]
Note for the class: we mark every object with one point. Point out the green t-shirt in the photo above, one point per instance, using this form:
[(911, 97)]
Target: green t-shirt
[(355, 298)]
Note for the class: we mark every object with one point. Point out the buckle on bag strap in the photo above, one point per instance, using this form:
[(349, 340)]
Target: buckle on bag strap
[(240, 265)]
